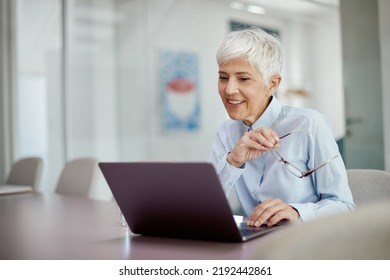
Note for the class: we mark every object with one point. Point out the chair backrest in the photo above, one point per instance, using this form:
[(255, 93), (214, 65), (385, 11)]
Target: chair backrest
[(369, 185), (27, 172), (78, 177)]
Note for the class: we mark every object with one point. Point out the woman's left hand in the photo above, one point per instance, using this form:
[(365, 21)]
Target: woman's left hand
[(272, 211)]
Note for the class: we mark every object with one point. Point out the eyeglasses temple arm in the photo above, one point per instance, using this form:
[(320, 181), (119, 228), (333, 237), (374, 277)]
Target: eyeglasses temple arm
[(318, 167)]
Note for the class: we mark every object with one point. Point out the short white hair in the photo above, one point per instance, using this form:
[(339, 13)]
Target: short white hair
[(262, 51)]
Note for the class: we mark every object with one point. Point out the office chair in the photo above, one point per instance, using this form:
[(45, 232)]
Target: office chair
[(78, 177), (25, 174), (368, 185)]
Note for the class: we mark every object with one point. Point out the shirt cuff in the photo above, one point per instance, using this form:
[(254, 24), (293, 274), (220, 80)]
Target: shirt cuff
[(229, 174), (306, 213)]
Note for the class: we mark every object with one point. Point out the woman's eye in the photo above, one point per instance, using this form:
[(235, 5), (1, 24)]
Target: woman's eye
[(244, 79), (223, 78)]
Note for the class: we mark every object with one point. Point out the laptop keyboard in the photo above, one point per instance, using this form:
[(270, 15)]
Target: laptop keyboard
[(245, 229)]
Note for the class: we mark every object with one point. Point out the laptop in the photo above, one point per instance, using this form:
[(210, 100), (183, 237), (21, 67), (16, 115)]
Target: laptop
[(176, 200)]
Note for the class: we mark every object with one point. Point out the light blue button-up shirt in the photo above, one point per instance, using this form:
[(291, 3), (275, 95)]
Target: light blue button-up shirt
[(324, 192)]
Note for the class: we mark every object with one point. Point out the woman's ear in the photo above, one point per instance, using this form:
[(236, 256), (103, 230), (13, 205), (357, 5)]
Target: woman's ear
[(274, 84)]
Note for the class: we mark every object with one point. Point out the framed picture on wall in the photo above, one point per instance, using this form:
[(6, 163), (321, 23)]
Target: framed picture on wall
[(180, 90)]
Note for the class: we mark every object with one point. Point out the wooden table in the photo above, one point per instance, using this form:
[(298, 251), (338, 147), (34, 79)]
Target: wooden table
[(53, 226)]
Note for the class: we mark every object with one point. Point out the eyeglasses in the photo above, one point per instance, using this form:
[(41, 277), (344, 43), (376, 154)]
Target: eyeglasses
[(293, 169)]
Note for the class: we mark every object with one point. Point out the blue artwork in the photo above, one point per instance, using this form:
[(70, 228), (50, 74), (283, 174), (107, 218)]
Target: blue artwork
[(180, 91)]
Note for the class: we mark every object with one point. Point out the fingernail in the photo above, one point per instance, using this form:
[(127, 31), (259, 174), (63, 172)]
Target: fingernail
[(257, 224)]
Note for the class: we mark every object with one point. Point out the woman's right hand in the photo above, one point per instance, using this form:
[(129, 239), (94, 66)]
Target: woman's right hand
[(252, 144)]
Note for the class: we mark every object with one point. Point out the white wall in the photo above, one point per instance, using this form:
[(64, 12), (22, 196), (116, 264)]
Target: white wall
[(328, 90)]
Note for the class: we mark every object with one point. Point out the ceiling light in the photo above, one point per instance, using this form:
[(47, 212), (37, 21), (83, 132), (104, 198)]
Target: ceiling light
[(237, 5), (256, 9)]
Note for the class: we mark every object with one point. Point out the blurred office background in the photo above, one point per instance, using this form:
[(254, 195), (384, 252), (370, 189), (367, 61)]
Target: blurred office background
[(86, 78)]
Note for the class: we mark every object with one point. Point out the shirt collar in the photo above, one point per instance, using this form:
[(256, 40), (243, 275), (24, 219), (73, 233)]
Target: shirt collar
[(269, 116)]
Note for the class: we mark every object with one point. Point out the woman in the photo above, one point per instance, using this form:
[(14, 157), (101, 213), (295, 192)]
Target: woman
[(282, 161)]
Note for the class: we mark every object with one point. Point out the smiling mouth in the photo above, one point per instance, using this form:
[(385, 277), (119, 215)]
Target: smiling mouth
[(235, 102)]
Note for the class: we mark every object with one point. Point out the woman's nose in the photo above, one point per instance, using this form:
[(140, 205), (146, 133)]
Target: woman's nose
[(232, 87)]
